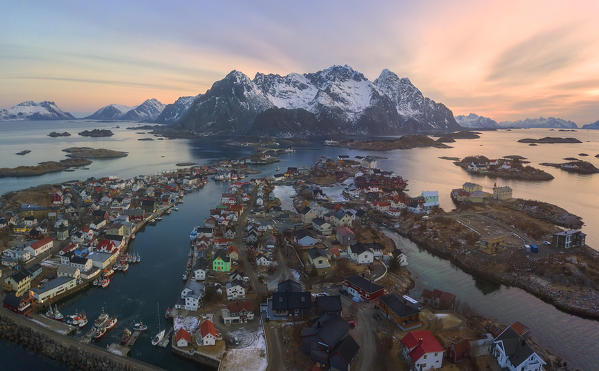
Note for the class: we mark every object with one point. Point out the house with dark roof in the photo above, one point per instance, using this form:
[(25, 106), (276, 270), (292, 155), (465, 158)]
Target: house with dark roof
[(422, 350), (513, 353), (328, 304), (328, 343), (318, 258), (362, 289), (290, 300), (404, 314)]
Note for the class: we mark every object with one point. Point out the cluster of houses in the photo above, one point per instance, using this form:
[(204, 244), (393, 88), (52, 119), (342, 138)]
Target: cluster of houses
[(483, 165), (472, 192), (83, 229)]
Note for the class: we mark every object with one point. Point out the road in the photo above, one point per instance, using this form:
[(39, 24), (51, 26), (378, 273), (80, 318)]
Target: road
[(274, 346), (248, 268), (364, 333)]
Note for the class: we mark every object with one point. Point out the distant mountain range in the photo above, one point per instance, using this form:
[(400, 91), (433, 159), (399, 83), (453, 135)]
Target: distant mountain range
[(474, 121), (31, 110), (541, 122), (594, 126), (148, 111), (336, 100)]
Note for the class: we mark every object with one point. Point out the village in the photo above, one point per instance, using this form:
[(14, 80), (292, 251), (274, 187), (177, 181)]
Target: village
[(308, 277)]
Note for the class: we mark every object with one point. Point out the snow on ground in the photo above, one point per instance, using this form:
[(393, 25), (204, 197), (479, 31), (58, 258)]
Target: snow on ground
[(251, 357)]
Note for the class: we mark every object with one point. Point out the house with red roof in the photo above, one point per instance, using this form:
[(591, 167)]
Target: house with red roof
[(182, 338), (40, 246), (422, 350), (106, 246), (209, 333)]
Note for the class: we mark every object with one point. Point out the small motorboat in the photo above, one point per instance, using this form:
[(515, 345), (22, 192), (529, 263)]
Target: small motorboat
[(139, 326), (105, 283)]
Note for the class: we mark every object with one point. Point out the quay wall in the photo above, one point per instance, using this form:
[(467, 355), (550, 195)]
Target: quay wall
[(66, 350)]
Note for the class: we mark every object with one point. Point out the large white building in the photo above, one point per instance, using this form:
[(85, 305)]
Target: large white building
[(53, 288)]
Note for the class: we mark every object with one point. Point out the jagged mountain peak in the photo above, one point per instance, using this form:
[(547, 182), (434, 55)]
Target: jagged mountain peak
[(31, 110)]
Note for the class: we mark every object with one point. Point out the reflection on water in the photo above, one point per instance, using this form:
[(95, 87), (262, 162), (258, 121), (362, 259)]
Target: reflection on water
[(164, 247)]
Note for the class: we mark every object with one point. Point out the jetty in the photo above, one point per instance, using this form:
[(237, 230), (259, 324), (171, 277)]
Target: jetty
[(118, 349), (133, 338)]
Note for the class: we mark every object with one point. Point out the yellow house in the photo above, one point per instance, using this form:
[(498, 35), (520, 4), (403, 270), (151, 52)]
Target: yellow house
[(21, 228), (477, 196), (472, 187), (19, 282)]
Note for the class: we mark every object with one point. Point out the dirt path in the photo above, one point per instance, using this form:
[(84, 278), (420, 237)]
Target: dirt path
[(274, 347)]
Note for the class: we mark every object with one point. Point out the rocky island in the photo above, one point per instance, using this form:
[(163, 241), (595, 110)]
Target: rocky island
[(88, 152), (579, 167), (502, 168), (451, 137), (43, 168), (55, 134), (404, 142), (96, 133), (550, 140)]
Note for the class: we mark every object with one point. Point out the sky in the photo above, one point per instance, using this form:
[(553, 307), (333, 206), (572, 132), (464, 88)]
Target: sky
[(503, 59)]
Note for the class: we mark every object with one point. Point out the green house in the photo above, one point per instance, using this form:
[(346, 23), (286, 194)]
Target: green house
[(221, 262)]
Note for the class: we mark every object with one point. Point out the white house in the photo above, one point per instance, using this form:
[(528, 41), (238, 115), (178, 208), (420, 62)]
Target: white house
[(513, 353), (235, 290), (422, 350), (322, 226), (208, 333), (262, 260), (41, 246), (361, 254), (199, 274)]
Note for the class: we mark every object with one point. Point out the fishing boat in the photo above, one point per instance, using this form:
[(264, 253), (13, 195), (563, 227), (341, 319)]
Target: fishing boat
[(160, 335), (125, 267), (98, 333), (101, 320), (125, 336), (139, 326), (111, 323), (105, 283), (137, 258), (82, 320), (77, 319), (176, 209), (108, 272), (57, 315)]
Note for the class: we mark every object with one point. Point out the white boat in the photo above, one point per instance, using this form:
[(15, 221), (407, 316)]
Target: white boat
[(139, 326), (158, 337), (330, 142)]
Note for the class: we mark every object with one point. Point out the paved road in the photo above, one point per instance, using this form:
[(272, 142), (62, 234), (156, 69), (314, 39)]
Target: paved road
[(243, 252)]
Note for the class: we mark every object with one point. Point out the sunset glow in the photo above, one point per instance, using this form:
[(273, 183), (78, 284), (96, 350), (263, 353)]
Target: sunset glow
[(503, 59)]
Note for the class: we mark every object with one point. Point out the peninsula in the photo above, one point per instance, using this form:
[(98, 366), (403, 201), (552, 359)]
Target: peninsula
[(404, 142), (43, 168), (504, 168)]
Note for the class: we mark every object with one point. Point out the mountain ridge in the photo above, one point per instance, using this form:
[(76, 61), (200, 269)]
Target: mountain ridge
[(30, 110)]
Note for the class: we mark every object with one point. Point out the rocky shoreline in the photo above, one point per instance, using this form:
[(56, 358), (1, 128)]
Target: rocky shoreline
[(404, 142), (43, 168), (96, 133), (458, 246), (578, 167), (88, 152), (516, 169), (549, 140)]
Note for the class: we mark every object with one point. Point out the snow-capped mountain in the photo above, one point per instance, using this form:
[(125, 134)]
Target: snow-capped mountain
[(147, 111), (474, 121), (31, 110), (172, 112), (228, 107), (541, 122), (594, 126), (110, 112), (339, 99)]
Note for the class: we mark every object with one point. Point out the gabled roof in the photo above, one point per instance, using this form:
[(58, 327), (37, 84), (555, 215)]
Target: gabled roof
[(328, 303), (421, 342), (37, 244), (344, 353), (516, 348), (183, 334), (207, 327), (398, 306), (363, 284)]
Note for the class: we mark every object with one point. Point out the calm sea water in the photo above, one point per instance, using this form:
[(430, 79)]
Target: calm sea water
[(164, 248)]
